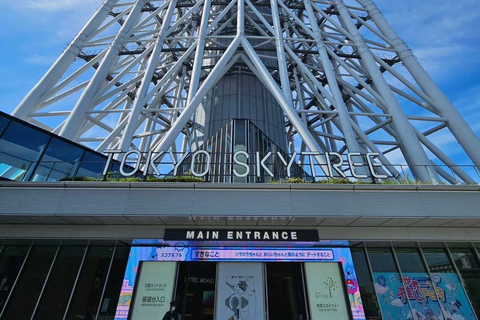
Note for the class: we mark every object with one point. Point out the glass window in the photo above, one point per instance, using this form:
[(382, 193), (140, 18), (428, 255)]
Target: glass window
[(469, 268), (410, 260), (88, 291), (92, 165), (60, 284), (388, 285), (418, 285), (11, 261), (381, 260), (114, 284), (20, 147), (30, 283), (195, 299), (4, 121), (59, 162), (437, 260), (453, 299), (365, 283), (286, 298)]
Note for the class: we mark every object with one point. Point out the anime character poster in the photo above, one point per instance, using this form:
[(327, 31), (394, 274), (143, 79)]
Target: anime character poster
[(440, 299), (389, 287), (454, 304)]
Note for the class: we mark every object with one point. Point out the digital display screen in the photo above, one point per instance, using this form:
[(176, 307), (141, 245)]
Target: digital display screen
[(238, 254)]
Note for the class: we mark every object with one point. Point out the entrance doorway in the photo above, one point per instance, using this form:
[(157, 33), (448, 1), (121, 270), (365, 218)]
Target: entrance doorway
[(286, 291), (195, 294)]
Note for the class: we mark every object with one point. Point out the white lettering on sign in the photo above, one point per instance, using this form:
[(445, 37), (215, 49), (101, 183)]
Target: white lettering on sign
[(241, 235), (200, 163)]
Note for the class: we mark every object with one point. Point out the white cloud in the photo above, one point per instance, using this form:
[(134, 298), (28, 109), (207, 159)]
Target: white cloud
[(444, 34)]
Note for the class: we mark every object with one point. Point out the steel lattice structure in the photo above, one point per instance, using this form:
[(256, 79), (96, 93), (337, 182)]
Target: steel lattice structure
[(136, 73)]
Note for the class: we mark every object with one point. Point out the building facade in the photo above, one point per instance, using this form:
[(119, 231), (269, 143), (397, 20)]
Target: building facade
[(233, 160)]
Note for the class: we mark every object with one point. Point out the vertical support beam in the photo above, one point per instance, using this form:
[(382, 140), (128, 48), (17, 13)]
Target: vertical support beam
[(345, 120), (140, 100), (413, 151), (279, 45), (457, 125), (55, 73), (220, 68), (287, 108), (198, 60), (74, 122)]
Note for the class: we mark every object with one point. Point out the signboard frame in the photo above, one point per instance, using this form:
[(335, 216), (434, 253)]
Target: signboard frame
[(337, 265), (141, 270), (254, 253)]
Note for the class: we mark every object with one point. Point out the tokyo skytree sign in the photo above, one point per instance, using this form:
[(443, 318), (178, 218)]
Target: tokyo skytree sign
[(311, 77)]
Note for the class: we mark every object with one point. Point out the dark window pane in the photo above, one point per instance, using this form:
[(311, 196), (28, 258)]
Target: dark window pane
[(88, 291), (20, 147), (437, 260), (29, 286), (382, 260), (11, 261), (196, 299), (59, 162), (365, 283), (92, 165), (410, 261), (286, 298), (114, 284), (469, 268), (4, 121), (60, 284)]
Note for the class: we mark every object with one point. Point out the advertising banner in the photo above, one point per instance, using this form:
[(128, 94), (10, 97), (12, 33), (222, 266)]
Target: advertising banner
[(453, 300), (390, 292), (325, 292), (239, 291), (154, 290), (444, 299)]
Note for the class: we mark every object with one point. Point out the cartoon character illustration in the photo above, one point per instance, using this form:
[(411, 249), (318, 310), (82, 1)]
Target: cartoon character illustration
[(242, 300), (453, 314), (153, 256)]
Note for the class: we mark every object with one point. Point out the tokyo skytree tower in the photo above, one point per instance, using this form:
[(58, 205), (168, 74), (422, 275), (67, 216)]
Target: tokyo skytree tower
[(314, 76)]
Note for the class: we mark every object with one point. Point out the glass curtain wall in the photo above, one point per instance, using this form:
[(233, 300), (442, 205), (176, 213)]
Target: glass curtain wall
[(28, 153), (61, 279), (468, 264), (422, 282)]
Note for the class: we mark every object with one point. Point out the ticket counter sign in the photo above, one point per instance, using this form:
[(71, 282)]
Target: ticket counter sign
[(154, 290)]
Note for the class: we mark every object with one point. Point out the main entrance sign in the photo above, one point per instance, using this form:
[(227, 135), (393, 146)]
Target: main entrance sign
[(241, 235)]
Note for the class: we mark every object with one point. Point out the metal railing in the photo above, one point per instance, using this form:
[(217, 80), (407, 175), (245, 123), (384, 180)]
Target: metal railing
[(224, 170)]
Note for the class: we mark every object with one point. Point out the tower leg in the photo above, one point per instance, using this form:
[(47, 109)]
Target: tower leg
[(55, 73), (457, 125)]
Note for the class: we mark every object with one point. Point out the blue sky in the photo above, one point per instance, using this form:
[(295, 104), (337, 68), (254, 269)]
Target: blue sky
[(444, 34)]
